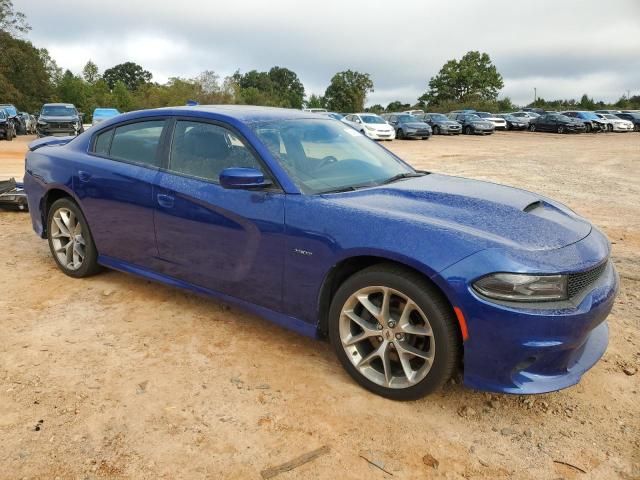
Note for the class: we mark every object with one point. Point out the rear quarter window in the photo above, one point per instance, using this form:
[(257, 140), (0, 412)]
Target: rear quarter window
[(103, 143)]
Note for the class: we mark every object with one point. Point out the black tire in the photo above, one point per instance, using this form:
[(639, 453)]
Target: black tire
[(587, 128), (609, 128), (436, 130), (425, 138), (430, 300), (560, 129), (89, 264), (467, 130), (636, 128), (532, 127), (400, 134)]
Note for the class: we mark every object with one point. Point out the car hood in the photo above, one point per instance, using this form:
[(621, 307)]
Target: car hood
[(487, 214), (380, 126), (57, 119)]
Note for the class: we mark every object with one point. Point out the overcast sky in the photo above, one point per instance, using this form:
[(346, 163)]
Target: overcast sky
[(563, 48)]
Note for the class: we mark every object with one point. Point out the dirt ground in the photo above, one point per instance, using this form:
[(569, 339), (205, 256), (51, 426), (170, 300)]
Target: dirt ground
[(118, 377)]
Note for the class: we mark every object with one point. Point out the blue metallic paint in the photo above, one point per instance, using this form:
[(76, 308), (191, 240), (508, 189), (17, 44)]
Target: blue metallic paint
[(270, 251)]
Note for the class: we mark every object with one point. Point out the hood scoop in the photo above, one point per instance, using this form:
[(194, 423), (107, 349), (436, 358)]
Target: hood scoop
[(532, 206)]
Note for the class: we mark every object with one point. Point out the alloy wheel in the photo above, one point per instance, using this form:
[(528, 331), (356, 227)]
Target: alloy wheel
[(387, 337), (67, 239)]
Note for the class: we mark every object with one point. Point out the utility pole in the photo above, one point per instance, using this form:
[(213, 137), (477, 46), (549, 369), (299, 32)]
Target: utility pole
[(535, 94)]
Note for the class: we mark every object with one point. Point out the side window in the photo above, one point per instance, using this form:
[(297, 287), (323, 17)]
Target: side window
[(204, 150), (103, 143), (138, 142)]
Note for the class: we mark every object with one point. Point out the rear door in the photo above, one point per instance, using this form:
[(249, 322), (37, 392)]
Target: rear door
[(115, 185), (227, 240)]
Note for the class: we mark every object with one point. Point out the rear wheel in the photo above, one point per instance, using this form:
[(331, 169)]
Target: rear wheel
[(609, 128), (70, 240), (467, 130), (400, 134), (560, 129), (394, 332), (588, 128), (436, 130), (532, 127)]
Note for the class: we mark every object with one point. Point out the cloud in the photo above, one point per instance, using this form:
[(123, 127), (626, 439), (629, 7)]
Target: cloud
[(562, 48)]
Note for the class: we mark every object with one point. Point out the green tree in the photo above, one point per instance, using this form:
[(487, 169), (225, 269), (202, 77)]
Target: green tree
[(397, 106), (287, 87), (23, 75), (130, 74), (50, 65), (315, 101), (347, 91), (121, 97), (90, 73), (473, 78), (377, 108), (12, 22)]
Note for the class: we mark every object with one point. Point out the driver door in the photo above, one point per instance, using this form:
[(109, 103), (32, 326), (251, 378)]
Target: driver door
[(226, 240)]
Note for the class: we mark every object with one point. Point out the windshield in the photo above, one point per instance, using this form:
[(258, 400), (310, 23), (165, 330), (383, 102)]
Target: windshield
[(484, 114), (609, 116), (372, 119), (10, 109), (472, 117), (324, 156), (439, 117), (407, 118), (58, 111), (3, 115), (589, 115)]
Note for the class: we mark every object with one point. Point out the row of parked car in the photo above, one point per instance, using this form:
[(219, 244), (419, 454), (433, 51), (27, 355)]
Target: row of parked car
[(418, 124), (54, 119)]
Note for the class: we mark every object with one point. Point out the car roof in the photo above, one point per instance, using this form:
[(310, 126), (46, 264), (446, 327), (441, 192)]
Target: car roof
[(243, 113), (59, 105)]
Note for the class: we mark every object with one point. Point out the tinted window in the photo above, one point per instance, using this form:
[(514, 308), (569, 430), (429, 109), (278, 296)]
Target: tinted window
[(204, 150), (103, 142), (138, 142)]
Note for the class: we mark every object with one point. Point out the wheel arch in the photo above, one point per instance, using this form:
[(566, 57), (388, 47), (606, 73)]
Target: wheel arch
[(48, 199), (349, 266)]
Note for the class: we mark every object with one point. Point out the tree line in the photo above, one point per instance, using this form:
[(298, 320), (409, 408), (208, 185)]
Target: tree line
[(29, 77)]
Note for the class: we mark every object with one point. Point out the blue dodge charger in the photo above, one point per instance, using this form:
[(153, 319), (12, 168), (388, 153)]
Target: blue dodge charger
[(303, 220)]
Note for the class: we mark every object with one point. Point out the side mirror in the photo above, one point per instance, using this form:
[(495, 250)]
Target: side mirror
[(242, 178)]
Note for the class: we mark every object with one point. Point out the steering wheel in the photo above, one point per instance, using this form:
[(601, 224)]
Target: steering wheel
[(329, 159)]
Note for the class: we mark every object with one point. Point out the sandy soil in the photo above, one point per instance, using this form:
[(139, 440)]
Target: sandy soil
[(117, 377)]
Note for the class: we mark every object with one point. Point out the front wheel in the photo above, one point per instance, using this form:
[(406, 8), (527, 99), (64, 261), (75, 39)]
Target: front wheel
[(394, 332), (467, 130), (400, 134), (560, 129), (70, 240), (532, 128), (436, 130), (610, 128)]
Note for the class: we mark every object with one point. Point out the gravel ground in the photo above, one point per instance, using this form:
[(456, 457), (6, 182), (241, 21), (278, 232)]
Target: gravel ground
[(118, 377)]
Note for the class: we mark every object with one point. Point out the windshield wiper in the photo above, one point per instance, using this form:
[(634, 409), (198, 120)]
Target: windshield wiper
[(400, 176)]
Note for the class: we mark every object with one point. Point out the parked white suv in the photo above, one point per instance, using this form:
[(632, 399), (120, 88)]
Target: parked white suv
[(498, 123), (371, 125)]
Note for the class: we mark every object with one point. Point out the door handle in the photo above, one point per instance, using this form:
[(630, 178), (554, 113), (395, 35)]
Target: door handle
[(84, 176), (165, 201)]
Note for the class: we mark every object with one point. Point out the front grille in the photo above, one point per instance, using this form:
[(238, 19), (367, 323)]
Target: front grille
[(577, 282), (422, 132)]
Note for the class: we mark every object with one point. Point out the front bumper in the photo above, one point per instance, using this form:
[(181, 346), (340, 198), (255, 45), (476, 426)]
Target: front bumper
[(534, 348), (622, 127), (377, 135), (418, 133), (482, 130)]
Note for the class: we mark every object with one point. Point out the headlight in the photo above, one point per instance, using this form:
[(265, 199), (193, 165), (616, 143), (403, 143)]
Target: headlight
[(41, 122), (369, 128), (520, 287)]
